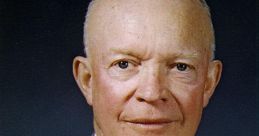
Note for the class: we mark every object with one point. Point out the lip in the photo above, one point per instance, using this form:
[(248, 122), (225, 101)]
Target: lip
[(149, 121), (152, 124)]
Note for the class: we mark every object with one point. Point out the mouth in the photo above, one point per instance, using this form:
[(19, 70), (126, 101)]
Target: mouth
[(152, 124)]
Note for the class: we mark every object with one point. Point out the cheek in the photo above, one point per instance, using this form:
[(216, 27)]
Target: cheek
[(104, 94), (193, 99), (192, 94), (110, 94), (190, 99)]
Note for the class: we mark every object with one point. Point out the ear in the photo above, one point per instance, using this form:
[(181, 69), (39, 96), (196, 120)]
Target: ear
[(82, 74), (213, 77)]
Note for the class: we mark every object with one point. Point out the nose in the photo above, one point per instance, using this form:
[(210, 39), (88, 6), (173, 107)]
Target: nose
[(151, 87)]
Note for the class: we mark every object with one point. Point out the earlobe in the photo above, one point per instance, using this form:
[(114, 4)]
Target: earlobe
[(213, 77), (82, 75)]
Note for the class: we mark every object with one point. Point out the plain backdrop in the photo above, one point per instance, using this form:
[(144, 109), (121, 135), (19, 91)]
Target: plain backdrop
[(39, 97)]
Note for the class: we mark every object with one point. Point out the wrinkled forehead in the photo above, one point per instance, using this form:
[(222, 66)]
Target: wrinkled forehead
[(184, 20)]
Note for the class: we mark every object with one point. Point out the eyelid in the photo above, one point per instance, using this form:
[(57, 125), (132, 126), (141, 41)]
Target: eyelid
[(124, 59), (190, 66)]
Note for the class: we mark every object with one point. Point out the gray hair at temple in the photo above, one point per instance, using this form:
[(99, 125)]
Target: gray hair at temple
[(202, 2)]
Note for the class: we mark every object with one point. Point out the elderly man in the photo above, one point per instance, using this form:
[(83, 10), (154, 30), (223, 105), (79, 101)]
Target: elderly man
[(149, 69)]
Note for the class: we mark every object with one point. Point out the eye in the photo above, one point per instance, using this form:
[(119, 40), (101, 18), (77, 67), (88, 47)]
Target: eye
[(123, 64), (183, 71), (123, 69), (181, 66)]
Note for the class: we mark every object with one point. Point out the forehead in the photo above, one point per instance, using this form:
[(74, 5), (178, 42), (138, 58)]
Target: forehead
[(142, 23)]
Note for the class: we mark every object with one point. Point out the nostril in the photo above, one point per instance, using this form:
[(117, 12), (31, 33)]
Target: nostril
[(140, 99), (143, 100), (163, 99)]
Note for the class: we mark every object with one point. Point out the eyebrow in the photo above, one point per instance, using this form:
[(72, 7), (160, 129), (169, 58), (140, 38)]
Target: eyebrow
[(192, 55), (126, 52), (134, 53)]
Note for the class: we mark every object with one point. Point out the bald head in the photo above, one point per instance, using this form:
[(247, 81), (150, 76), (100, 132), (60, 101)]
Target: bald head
[(148, 69), (191, 18)]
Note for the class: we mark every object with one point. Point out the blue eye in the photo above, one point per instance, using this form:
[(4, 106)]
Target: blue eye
[(181, 66), (123, 64)]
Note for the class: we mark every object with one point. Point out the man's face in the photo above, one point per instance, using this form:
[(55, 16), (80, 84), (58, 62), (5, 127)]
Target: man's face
[(149, 64)]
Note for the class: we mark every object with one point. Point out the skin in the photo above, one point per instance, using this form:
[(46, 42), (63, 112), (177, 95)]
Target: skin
[(168, 78)]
